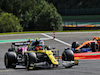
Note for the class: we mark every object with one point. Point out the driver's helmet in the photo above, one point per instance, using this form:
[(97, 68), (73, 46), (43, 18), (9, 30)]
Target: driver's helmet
[(39, 47), (41, 42)]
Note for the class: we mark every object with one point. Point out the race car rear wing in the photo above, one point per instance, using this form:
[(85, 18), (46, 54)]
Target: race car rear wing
[(20, 43)]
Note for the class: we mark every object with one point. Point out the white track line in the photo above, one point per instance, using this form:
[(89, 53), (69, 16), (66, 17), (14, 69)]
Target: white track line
[(56, 39)]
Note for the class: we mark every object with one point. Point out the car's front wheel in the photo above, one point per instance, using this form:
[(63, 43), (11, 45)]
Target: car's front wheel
[(27, 61), (30, 58), (68, 58)]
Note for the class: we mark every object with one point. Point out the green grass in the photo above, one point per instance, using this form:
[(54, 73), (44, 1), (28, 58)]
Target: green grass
[(46, 31), (82, 17)]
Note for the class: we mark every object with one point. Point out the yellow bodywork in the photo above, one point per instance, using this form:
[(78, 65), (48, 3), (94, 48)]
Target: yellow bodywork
[(49, 53)]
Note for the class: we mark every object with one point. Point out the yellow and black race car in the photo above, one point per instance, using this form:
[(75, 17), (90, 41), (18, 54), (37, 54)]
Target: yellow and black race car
[(38, 54)]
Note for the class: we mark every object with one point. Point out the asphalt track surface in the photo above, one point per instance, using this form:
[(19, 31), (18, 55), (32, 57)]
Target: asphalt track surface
[(85, 67)]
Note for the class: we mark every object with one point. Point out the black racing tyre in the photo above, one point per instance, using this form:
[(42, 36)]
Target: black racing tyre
[(27, 61), (10, 60), (93, 47), (68, 55), (69, 66), (99, 48), (68, 58), (75, 44), (10, 50), (30, 58)]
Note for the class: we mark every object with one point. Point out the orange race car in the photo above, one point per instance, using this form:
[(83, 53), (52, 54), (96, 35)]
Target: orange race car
[(88, 46)]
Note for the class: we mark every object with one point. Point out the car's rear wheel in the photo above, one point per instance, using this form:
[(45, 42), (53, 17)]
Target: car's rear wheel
[(10, 60), (94, 47), (75, 44)]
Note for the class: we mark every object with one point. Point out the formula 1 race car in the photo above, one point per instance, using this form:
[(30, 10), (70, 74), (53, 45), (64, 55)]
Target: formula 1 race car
[(35, 53), (87, 46)]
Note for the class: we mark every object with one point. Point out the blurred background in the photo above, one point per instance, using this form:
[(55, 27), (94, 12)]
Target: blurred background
[(78, 13), (48, 15)]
